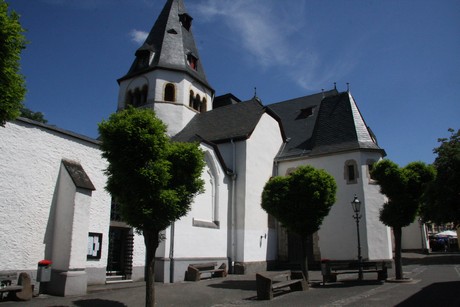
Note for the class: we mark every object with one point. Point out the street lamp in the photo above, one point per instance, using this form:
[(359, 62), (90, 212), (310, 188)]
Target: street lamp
[(356, 205)]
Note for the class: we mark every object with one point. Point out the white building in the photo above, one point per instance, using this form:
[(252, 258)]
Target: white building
[(53, 214)]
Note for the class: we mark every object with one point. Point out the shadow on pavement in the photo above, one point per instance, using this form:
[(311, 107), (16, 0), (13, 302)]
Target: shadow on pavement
[(432, 259), (98, 303), (347, 284), (247, 285), (437, 294)]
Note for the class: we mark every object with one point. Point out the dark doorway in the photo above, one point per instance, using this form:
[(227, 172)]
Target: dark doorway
[(295, 251), (120, 255)]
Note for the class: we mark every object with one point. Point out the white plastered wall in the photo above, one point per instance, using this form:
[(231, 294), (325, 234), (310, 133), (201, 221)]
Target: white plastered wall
[(30, 164), (414, 236), (192, 237), (262, 147), (176, 115), (338, 234)]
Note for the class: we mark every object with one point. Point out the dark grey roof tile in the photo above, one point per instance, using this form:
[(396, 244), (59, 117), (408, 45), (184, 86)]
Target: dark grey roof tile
[(236, 121)]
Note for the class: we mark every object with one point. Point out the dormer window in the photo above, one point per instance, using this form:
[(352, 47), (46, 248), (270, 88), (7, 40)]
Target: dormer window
[(192, 61), (307, 112), (144, 58), (143, 61), (186, 21), (152, 55)]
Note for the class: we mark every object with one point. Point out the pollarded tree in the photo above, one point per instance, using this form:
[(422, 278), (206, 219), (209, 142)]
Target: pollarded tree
[(300, 201), (443, 200), (152, 179), (404, 188), (12, 87)]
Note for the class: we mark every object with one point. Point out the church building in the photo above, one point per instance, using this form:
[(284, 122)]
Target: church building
[(53, 180)]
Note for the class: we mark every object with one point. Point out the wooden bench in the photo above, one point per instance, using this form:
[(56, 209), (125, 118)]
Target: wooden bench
[(194, 271), (268, 283), (330, 269), (22, 291)]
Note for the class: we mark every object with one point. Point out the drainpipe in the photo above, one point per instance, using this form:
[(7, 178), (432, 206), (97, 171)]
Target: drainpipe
[(276, 162), (233, 209), (171, 255)]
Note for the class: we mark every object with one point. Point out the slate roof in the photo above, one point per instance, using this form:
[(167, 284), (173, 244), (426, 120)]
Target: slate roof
[(171, 43), (79, 177), (323, 123), (236, 121)]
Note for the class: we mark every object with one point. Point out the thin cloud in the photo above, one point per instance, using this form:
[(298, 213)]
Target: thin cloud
[(276, 36), (253, 24), (138, 36)]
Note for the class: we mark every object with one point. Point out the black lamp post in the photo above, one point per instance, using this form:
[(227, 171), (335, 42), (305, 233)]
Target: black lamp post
[(356, 205)]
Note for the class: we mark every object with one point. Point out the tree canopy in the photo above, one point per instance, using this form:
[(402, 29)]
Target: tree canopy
[(12, 84), (404, 188), (300, 201), (37, 116), (152, 179), (442, 204)]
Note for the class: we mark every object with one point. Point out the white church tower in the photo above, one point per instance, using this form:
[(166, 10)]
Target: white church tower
[(167, 74)]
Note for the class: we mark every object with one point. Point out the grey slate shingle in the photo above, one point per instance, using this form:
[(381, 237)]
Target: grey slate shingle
[(330, 128), (171, 43), (235, 122)]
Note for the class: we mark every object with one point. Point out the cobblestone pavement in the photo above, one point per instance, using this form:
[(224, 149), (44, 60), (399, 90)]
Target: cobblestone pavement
[(434, 281)]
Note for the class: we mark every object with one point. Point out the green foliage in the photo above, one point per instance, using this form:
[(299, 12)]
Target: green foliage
[(12, 85), (153, 180), (36, 116), (443, 200), (301, 200), (404, 188)]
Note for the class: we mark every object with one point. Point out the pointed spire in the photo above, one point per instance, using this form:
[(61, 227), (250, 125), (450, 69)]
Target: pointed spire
[(362, 131), (170, 45)]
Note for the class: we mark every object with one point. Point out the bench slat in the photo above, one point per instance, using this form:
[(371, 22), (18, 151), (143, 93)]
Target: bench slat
[(194, 271), (267, 283), (331, 269), (11, 288)]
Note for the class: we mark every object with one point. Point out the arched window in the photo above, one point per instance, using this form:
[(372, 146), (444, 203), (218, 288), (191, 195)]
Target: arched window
[(205, 209), (137, 97), (129, 98), (190, 102), (170, 92), (144, 94), (197, 102), (351, 173), (203, 107)]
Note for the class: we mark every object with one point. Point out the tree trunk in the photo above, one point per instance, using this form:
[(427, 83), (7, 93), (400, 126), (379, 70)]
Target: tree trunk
[(151, 239), (397, 231), (304, 261)]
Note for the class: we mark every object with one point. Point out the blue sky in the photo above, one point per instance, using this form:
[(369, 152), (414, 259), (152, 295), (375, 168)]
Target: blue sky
[(400, 57)]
